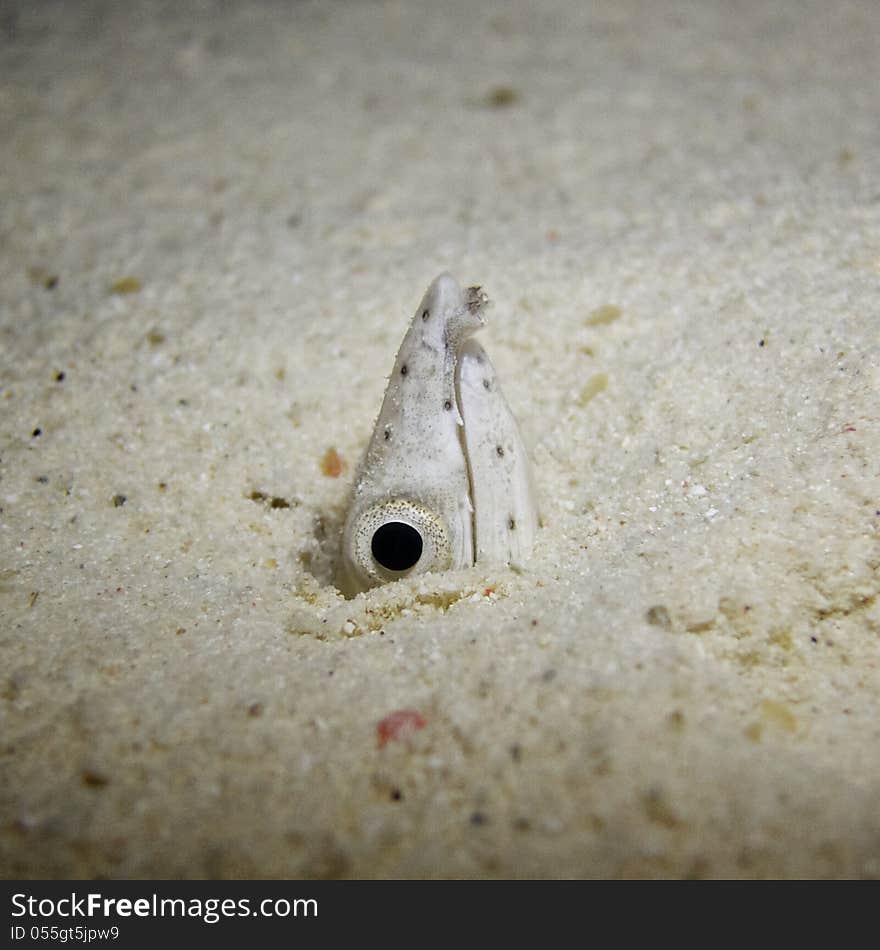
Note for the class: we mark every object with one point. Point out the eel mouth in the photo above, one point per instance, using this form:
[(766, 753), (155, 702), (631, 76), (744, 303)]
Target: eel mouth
[(475, 299)]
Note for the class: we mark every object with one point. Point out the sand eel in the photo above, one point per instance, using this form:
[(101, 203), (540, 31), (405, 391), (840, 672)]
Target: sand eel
[(445, 481)]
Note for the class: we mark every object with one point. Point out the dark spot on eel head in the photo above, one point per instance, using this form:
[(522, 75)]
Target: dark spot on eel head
[(486, 384), (426, 314), (511, 523), (92, 778), (447, 405), (403, 370), (499, 450), (387, 435)]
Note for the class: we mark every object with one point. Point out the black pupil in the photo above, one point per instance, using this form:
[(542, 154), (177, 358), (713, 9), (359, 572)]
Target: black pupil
[(397, 546)]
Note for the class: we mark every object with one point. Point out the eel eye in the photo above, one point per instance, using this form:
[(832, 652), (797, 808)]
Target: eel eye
[(395, 538), (396, 546)]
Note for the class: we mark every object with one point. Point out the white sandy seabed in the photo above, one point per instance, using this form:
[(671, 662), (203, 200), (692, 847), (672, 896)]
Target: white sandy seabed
[(216, 224)]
